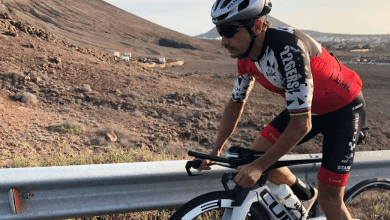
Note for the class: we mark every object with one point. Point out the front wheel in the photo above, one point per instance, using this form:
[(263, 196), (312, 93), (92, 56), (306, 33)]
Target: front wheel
[(213, 205), (369, 199)]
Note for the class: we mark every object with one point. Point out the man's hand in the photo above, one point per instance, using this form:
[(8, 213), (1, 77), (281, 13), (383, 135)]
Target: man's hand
[(248, 175), (205, 165)]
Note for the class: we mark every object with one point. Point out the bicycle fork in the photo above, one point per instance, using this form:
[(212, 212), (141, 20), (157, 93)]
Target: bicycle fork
[(244, 199), (240, 207)]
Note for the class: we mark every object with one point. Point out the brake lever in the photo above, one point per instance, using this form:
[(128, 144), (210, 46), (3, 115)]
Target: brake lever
[(193, 164), (226, 178)]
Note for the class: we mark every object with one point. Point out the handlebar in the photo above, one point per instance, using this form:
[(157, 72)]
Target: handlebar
[(210, 157), (241, 157)]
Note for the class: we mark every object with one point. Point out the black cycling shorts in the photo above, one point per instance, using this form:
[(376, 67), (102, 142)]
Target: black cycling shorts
[(340, 129)]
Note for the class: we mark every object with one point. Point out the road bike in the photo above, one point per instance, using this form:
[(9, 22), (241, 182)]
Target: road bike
[(369, 199)]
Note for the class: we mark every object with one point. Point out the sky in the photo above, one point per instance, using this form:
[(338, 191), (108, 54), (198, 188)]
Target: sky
[(192, 17)]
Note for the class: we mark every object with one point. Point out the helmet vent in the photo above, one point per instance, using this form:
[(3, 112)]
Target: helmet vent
[(222, 16), (267, 8), (216, 5), (243, 5), (225, 3)]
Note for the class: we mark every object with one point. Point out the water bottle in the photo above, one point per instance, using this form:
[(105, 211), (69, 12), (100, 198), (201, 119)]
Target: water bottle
[(291, 202)]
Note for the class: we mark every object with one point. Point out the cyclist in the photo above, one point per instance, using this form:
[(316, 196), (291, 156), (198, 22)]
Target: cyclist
[(322, 96)]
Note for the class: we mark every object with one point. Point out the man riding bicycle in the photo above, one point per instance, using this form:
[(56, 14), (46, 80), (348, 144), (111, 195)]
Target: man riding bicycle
[(322, 96)]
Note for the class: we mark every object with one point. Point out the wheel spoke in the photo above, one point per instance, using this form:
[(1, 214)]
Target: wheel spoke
[(371, 203), (212, 206)]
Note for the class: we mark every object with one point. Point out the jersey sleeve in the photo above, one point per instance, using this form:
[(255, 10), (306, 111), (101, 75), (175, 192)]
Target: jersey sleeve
[(297, 76), (242, 88)]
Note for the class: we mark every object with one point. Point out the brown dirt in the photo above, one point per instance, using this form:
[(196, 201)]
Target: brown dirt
[(78, 84)]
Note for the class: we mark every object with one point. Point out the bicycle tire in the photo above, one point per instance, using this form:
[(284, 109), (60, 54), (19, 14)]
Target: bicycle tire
[(369, 199), (212, 205)]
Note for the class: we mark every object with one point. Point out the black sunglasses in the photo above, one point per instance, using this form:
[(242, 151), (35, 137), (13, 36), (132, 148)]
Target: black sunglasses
[(228, 31)]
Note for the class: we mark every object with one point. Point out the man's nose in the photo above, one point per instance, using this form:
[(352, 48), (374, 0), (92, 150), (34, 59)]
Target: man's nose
[(225, 41)]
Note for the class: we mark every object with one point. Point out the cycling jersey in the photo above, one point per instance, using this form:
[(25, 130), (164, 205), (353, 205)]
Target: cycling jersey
[(310, 79), (295, 66)]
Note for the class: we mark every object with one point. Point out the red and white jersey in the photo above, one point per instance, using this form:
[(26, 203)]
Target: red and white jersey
[(295, 66)]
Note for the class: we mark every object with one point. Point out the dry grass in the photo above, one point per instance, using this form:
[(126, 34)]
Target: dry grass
[(372, 204), (66, 155), (148, 215)]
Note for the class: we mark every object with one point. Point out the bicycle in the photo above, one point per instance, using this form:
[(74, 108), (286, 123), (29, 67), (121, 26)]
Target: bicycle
[(259, 202)]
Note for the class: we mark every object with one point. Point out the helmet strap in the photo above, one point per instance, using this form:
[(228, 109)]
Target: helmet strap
[(253, 39)]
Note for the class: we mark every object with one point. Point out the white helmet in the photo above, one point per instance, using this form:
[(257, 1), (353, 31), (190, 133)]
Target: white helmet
[(224, 11)]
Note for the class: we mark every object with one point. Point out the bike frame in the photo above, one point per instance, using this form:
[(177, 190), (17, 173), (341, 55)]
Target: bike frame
[(260, 192), (266, 198)]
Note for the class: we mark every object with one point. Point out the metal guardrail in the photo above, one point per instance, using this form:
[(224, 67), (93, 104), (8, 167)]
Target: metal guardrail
[(74, 191)]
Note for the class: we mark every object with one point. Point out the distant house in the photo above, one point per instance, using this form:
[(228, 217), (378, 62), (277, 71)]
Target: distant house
[(360, 50), (126, 58), (117, 54)]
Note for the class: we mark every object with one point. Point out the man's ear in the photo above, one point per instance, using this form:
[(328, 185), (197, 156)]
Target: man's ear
[(257, 26)]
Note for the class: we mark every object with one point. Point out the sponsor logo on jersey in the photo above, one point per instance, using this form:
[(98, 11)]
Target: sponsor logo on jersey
[(292, 74), (269, 67), (352, 144), (271, 73), (348, 159), (334, 180), (343, 168), (357, 107), (340, 81)]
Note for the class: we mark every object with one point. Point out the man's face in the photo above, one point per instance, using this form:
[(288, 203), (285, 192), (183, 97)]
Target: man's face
[(235, 38)]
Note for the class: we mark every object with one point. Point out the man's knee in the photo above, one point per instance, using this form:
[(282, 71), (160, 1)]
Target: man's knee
[(330, 195)]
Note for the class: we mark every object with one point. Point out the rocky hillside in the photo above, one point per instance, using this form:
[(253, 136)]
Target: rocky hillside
[(59, 85), (56, 92), (95, 23)]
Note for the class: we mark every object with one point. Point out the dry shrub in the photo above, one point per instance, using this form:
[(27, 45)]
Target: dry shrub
[(69, 127), (27, 97)]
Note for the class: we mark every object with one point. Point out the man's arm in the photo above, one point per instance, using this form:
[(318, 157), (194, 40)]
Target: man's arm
[(231, 117), (297, 128)]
